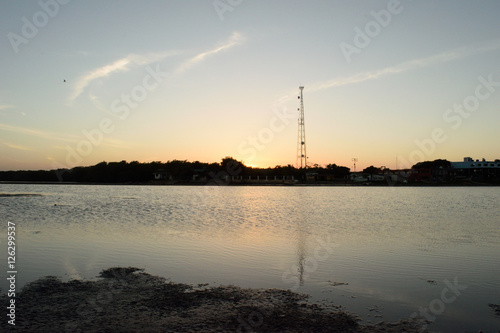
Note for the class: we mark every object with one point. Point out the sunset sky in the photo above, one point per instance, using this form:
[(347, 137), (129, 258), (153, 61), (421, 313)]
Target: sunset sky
[(390, 83)]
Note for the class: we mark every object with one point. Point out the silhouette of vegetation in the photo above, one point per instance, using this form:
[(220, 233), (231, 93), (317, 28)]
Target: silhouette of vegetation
[(175, 170), (232, 171), (372, 170), (333, 170), (432, 164)]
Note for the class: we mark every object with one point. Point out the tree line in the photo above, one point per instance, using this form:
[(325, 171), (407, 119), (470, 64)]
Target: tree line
[(182, 170)]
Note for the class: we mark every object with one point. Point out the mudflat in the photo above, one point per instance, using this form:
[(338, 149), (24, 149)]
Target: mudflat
[(126, 299)]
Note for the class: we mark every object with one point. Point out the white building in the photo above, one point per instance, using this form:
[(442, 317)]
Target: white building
[(469, 163)]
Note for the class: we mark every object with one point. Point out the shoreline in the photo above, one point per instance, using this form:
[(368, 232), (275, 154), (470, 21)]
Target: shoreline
[(126, 299), (317, 184)]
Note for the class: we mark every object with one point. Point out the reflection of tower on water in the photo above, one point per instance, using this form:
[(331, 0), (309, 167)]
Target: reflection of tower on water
[(301, 249)]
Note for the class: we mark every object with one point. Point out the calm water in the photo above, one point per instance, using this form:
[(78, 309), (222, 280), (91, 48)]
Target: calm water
[(396, 249)]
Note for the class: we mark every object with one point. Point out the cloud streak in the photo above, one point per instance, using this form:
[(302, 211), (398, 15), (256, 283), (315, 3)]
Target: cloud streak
[(38, 133), (4, 109), (17, 147), (6, 106), (126, 63), (120, 65), (68, 138), (235, 39), (408, 66)]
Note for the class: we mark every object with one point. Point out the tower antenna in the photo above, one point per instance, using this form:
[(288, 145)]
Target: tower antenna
[(301, 137)]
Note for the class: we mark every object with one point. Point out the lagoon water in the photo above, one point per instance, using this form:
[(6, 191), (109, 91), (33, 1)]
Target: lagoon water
[(383, 253)]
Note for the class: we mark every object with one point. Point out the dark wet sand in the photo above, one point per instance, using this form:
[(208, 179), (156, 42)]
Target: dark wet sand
[(129, 300)]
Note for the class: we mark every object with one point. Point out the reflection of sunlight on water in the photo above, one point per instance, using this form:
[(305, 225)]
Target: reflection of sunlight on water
[(73, 272), (389, 240)]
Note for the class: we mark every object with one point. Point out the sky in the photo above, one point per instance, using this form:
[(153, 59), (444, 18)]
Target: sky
[(390, 83)]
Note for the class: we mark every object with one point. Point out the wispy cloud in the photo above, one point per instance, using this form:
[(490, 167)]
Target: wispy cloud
[(235, 39), (408, 65), (6, 106), (9, 109), (100, 106), (120, 65), (14, 146), (126, 63), (68, 138), (39, 133), (4, 109)]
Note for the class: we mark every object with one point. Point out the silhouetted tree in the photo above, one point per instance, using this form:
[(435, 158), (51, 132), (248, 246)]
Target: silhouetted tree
[(232, 166), (372, 170), (338, 171), (432, 164)]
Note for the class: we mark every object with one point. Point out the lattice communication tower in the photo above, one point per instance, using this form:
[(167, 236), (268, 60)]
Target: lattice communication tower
[(301, 137)]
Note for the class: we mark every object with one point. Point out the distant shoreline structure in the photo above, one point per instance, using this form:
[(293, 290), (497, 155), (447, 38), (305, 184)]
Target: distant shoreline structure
[(231, 172), (329, 184)]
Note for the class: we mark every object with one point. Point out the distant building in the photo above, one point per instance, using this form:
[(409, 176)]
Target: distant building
[(469, 163), (476, 169), (420, 175), (358, 177), (161, 174), (396, 176)]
